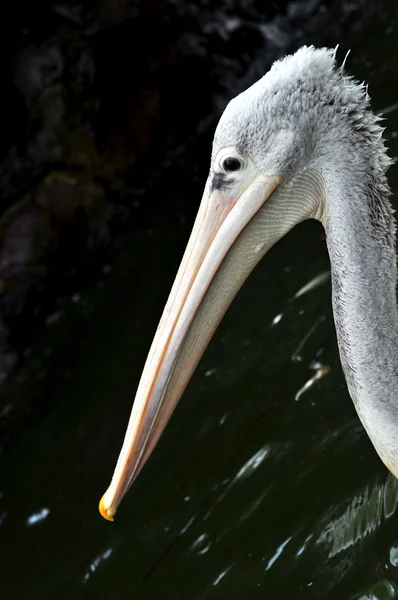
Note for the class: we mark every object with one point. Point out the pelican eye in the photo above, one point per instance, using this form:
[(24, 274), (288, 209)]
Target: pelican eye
[(231, 164)]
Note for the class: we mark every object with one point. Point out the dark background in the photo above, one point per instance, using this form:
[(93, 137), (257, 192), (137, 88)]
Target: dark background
[(108, 113)]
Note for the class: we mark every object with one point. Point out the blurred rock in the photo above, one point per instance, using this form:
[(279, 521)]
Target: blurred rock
[(56, 226)]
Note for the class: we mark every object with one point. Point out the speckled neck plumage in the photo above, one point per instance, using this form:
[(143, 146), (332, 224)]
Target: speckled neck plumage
[(361, 244)]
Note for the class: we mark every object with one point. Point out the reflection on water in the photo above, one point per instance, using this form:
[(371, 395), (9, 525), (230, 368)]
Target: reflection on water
[(202, 544), (315, 282), (297, 354), (342, 534), (383, 590), (96, 563), (362, 516), (277, 553), (252, 464), (320, 371), (38, 516), (221, 575)]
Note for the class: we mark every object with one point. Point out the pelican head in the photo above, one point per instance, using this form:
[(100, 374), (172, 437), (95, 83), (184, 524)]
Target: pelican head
[(300, 143)]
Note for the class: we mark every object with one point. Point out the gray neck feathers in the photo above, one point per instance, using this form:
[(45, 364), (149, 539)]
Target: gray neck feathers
[(360, 235)]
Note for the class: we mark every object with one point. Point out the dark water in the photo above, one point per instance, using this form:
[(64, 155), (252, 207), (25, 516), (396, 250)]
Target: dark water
[(250, 493)]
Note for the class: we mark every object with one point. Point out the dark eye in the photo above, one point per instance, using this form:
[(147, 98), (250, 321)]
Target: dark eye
[(231, 164)]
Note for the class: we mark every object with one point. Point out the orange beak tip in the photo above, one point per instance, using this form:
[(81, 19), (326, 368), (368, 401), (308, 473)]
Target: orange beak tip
[(107, 513)]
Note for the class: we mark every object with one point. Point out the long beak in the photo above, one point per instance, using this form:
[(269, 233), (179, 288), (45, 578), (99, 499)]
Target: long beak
[(185, 328)]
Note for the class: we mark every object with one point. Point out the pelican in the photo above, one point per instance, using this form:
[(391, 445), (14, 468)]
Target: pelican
[(301, 143)]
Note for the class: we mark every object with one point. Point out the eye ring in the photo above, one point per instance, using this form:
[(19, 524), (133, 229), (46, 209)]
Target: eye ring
[(231, 164)]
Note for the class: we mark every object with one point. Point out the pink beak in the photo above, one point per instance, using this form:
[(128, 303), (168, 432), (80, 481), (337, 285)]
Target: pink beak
[(170, 363)]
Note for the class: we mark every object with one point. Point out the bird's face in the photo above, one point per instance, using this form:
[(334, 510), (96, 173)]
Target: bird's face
[(260, 131)]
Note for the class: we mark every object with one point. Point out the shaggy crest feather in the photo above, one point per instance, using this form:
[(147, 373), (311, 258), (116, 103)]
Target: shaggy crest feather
[(308, 99)]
